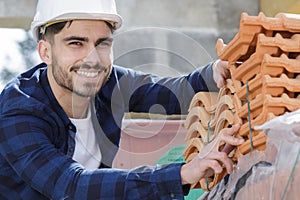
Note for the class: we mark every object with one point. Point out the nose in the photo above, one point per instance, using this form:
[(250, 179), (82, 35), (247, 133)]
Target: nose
[(92, 57)]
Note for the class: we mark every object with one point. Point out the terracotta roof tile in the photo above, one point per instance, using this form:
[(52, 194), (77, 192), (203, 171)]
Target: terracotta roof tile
[(241, 46), (275, 66), (196, 130), (258, 142), (206, 99), (203, 126), (197, 113), (260, 119)]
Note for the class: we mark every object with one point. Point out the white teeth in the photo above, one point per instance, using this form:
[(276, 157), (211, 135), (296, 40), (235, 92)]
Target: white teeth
[(88, 74)]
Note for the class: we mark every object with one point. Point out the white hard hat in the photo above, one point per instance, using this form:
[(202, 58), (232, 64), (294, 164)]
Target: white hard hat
[(59, 10)]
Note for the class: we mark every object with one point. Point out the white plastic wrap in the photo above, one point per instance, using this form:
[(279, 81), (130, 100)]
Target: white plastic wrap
[(271, 174)]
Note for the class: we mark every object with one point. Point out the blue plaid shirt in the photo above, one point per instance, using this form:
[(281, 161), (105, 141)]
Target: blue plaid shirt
[(37, 137)]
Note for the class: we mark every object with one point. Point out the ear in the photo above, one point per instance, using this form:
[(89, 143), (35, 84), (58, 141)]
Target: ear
[(44, 50)]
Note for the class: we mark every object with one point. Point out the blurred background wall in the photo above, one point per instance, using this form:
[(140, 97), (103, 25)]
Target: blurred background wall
[(167, 37)]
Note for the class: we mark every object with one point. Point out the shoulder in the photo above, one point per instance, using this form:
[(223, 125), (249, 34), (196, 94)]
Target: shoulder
[(26, 90), (120, 71), (123, 74), (132, 75)]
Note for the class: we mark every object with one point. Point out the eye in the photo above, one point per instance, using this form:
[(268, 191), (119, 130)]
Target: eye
[(105, 44), (75, 43)]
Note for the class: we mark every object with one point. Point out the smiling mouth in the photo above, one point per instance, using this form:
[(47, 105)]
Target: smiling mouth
[(88, 74)]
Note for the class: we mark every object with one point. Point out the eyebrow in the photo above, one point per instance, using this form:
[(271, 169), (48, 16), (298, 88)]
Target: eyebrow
[(85, 39)]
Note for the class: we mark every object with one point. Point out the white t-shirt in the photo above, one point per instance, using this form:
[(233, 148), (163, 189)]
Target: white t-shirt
[(87, 151)]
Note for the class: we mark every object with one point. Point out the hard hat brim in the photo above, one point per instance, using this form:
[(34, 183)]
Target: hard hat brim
[(115, 18)]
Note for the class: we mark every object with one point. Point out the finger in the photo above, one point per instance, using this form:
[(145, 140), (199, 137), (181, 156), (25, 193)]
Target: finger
[(224, 75), (223, 67), (227, 135), (232, 140), (227, 148), (212, 167), (218, 73), (219, 159), (221, 83), (231, 131), (227, 74), (228, 164)]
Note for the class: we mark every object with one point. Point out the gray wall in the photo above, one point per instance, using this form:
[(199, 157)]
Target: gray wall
[(170, 37)]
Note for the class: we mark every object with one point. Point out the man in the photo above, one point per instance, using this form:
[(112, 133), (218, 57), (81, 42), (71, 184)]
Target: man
[(60, 121)]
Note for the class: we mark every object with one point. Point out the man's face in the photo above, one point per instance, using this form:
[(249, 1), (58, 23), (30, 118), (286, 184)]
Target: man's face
[(82, 56)]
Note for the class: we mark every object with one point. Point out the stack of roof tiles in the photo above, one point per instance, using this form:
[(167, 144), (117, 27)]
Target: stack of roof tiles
[(209, 113), (264, 62)]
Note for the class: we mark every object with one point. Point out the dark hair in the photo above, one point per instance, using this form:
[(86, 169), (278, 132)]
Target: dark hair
[(53, 29)]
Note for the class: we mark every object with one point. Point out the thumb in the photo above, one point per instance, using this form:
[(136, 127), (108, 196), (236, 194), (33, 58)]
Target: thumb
[(227, 135)]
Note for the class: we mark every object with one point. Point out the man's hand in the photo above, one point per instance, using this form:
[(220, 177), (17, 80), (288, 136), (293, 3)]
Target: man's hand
[(220, 72), (210, 160)]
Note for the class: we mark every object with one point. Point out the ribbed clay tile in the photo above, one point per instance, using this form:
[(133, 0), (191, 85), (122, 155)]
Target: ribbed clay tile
[(257, 106), (261, 104), (237, 119), (197, 114), (285, 44), (273, 103), (236, 50), (226, 119), (266, 84), (193, 146), (196, 130), (238, 103), (254, 88), (275, 66), (250, 27), (282, 22), (291, 22), (270, 65), (228, 89), (204, 99), (210, 123), (242, 45), (223, 118), (268, 104), (258, 142), (225, 103), (229, 86), (247, 70), (282, 83), (259, 120)]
